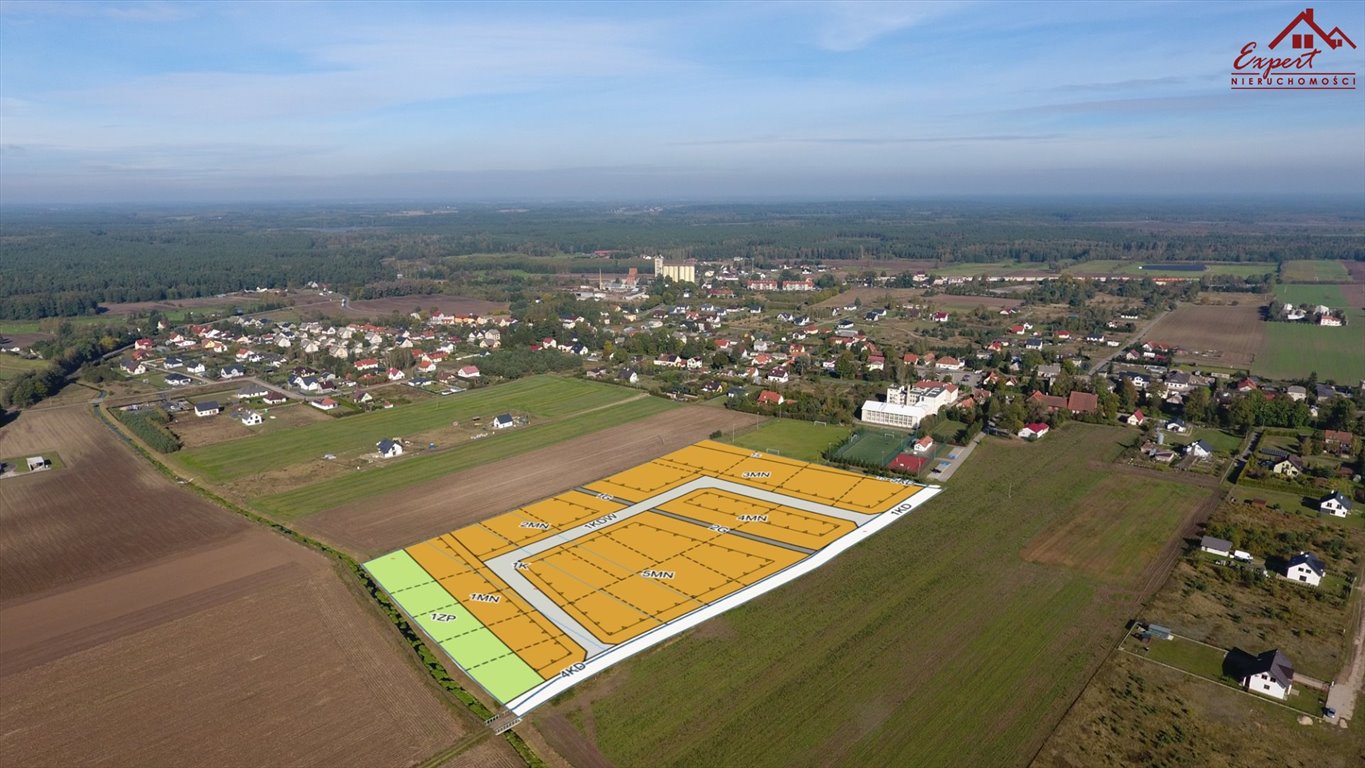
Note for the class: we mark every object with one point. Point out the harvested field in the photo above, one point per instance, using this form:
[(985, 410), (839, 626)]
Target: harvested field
[(105, 512), (195, 431), (1231, 337), (291, 669), (451, 305), (1356, 270), (192, 636), (375, 526), (170, 305)]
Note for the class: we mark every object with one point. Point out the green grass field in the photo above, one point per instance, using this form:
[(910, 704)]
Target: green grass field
[(13, 365), (803, 440), (1293, 350), (540, 396), (872, 446), (1331, 295), (1135, 268), (1220, 441), (1314, 272), (410, 470), (932, 643)]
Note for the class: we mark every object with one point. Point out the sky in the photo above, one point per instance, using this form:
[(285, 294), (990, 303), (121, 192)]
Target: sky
[(126, 102)]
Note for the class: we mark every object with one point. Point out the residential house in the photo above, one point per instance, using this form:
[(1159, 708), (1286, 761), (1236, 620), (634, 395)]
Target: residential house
[(468, 372), (1335, 504), (1199, 449), (389, 449), (206, 408), (252, 419), (395, 374), (196, 366), (1305, 567), (132, 367), (325, 404), (922, 446), (769, 397), (1270, 674), (1033, 431), (1215, 546), (1135, 419), (231, 372), (503, 421), (178, 379), (1289, 466)]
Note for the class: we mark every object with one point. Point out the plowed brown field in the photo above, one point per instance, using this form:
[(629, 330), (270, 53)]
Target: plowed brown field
[(1214, 335), (143, 626), (382, 524)]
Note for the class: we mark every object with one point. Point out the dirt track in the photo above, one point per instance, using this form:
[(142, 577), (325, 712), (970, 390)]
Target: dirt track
[(179, 634), (382, 524)]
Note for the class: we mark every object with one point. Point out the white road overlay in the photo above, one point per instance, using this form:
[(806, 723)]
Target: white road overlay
[(600, 656)]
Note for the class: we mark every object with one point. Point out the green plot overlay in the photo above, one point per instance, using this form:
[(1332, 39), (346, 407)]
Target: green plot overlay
[(476, 649)]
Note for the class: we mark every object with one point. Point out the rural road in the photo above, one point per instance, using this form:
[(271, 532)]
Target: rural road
[(1136, 337), (1342, 697)]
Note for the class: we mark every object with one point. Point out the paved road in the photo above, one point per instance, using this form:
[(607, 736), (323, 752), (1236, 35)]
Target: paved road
[(961, 459), (1098, 364), (1346, 690)]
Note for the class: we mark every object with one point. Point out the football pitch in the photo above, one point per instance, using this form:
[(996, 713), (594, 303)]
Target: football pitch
[(533, 601)]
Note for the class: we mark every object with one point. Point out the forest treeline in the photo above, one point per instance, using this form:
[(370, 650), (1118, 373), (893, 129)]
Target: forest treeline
[(66, 263)]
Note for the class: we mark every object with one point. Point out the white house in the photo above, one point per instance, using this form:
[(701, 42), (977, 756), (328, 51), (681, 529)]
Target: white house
[(503, 421), (1033, 431), (1335, 504), (325, 404), (252, 419), (206, 408), (1305, 567), (178, 379), (923, 445), (133, 367), (1199, 449), (1216, 546), (468, 372), (389, 449), (196, 367), (1271, 674)]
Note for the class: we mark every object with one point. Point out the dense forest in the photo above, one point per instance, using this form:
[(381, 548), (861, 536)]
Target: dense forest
[(67, 262)]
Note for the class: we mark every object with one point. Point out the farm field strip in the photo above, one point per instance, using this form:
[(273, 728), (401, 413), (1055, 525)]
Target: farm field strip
[(934, 642), (1328, 294), (409, 470), (1293, 349), (533, 601), (543, 396), (1316, 271)]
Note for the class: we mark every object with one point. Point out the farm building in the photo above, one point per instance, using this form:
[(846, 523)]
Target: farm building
[(252, 419), (1305, 567), (389, 449), (1335, 503), (1215, 546), (36, 463), (1160, 632), (1270, 674), (206, 408), (503, 421)]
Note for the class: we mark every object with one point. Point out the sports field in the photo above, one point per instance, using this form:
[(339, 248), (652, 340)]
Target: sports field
[(1314, 272), (871, 446), (535, 600), (542, 396), (804, 440)]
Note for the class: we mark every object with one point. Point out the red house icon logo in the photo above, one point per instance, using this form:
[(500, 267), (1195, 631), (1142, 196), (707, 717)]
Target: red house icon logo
[(1298, 65), (1301, 33)]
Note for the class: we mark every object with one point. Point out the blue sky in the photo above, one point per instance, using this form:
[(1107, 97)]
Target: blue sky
[(152, 101)]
